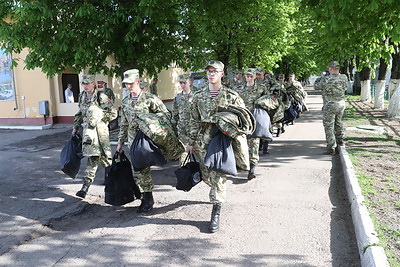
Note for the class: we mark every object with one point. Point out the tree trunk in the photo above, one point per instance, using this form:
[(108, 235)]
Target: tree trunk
[(239, 55), (379, 101), (365, 78), (395, 75)]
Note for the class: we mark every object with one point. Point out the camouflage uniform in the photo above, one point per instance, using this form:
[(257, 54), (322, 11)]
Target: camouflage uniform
[(181, 118), (333, 89), (203, 107), (296, 90), (249, 96), (146, 103), (278, 90), (93, 115)]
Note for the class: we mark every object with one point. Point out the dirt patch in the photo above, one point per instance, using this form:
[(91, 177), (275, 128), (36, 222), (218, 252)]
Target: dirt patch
[(376, 158)]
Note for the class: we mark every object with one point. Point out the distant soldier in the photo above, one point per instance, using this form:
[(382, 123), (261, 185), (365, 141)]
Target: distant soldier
[(205, 104), (278, 90), (260, 74), (238, 79), (95, 111), (295, 89), (153, 86), (193, 88), (181, 109), (333, 89), (138, 101), (250, 92), (109, 92)]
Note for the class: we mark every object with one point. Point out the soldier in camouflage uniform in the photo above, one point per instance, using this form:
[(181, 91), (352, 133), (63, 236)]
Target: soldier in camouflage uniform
[(260, 73), (250, 92), (295, 89), (278, 90), (153, 87), (95, 111), (238, 79), (135, 103), (181, 109), (204, 105), (333, 89)]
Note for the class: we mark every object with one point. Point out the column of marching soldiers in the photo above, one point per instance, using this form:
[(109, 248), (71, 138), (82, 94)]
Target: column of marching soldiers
[(200, 115)]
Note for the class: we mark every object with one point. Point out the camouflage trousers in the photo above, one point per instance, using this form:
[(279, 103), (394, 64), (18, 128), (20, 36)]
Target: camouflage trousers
[(332, 120), (216, 180), (92, 165), (254, 144), (143, 180)]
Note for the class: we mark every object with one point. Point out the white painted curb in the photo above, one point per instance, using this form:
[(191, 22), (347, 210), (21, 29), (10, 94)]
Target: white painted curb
[(367, 239)]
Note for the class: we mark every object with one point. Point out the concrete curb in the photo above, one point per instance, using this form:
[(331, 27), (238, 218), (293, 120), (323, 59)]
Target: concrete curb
[(26, 127), (367, 238)]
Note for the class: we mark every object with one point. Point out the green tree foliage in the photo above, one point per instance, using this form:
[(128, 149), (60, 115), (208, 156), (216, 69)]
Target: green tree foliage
[(81, 33), (242, 33), (349, 28)]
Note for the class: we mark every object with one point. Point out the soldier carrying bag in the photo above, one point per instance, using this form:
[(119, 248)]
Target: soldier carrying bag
[(189, 174)]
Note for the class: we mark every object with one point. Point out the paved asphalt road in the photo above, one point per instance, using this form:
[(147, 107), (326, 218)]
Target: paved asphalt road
[(294, 213)]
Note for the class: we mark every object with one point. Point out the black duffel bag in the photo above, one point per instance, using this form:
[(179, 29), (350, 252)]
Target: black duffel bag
[(220, 156), (120, 187), (189, 174), (71, 155), (144, 153)]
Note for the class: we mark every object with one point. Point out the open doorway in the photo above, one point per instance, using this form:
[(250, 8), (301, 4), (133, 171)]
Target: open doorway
[(73, 79)]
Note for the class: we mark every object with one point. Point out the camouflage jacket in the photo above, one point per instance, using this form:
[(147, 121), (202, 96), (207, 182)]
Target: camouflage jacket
[(181, 109), (236, 83), (146, 103), (266, 82), (278, 90), (93, 115), (251, 94), (296, 90), (333, 87), (203, 107)]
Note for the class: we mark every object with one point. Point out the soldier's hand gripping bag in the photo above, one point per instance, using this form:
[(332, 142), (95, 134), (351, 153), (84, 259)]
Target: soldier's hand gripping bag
[(144, 153), (120, 187), (189, 174), (71, 155), (263, 123), (220, 156)]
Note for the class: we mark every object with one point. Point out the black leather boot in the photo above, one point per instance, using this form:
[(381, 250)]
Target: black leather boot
[(214, 224), (147, 202), (251, 174), (278, 132), (85, 187), (265, 147), (283, 129)]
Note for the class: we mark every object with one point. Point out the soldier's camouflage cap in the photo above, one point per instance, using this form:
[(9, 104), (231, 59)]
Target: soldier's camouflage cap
[(281, 76), (238, 71), (143, 84), (251, 71), (184, 77), (334, 64), (260, 70), (86, 78), (215, 64), (130, 76)]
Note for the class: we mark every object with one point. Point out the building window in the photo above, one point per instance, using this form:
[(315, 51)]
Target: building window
[(6, 77)]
